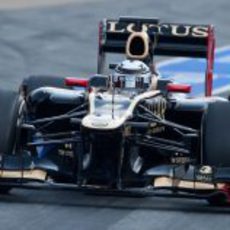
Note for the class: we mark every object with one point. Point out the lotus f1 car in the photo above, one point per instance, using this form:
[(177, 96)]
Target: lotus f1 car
[(127, 131)]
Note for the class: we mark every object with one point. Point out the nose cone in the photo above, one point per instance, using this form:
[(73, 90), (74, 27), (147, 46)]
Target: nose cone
[(103, 122)]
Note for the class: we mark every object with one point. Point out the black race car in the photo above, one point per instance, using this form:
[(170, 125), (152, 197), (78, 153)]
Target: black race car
[(126, 132)]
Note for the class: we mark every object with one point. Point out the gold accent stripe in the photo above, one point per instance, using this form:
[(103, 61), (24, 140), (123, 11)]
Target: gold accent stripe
[(168, 182), (24, 174)]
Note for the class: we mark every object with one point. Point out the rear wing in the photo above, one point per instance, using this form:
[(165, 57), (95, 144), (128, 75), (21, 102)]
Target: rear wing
[(169, 39)]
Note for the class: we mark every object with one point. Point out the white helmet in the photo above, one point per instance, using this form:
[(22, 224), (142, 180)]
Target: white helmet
[(133, 74)]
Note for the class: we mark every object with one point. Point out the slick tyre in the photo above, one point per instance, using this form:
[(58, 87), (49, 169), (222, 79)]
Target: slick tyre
[(10, 103), (9, 107), (216, 135), (33, 82)]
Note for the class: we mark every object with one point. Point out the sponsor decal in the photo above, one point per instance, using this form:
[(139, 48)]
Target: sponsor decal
[(192, 71), (204, 174), (178, 30)]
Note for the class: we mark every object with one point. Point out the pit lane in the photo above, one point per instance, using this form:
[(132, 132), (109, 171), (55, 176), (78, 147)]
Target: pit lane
[(61, 39)]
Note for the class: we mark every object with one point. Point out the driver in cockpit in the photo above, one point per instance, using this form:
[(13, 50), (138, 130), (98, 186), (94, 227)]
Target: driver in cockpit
[(135, 74)]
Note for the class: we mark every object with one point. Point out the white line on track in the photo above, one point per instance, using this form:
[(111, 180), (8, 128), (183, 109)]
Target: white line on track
[(181, 59)]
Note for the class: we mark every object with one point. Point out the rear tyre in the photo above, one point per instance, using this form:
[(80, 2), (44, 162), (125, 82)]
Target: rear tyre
[(33, 82)]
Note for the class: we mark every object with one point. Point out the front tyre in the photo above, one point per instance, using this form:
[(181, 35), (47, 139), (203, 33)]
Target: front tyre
[(216, 146), (10, 103), (216, 135)]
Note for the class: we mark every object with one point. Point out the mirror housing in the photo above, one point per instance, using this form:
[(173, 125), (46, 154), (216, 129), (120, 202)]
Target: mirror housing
[(99, 81)]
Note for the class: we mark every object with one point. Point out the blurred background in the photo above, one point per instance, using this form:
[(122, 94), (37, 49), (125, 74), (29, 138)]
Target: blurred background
[(59, 37)]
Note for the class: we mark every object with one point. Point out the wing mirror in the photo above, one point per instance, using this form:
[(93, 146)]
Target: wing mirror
[(112, 66), (99, 81)]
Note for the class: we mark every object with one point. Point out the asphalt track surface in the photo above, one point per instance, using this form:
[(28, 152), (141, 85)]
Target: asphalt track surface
[(62, 40)]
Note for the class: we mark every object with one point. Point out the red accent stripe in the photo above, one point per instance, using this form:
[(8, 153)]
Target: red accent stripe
[(210, 61), (178, 88), (71, 81)]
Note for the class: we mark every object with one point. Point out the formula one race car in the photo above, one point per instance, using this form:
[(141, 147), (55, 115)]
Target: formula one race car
[(128, 131)]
